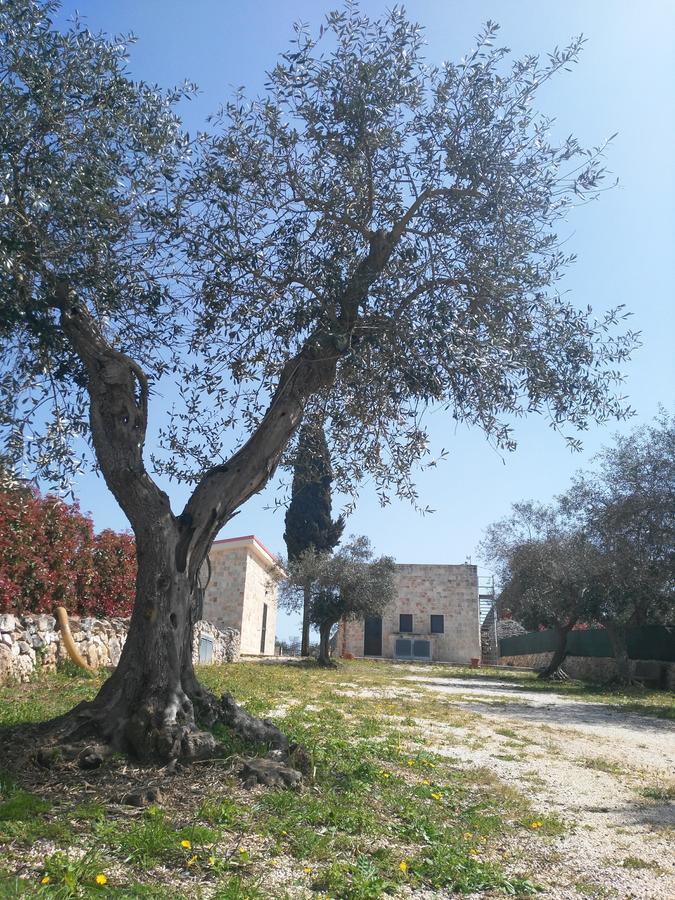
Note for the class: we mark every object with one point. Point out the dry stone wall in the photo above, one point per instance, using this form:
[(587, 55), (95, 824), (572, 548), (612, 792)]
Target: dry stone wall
[(599, 668), (29, 643)]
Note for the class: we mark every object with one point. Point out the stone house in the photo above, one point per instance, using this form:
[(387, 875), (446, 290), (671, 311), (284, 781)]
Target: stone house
[(434, 617), (242, 592)]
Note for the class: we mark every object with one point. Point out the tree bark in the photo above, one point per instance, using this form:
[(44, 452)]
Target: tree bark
[(324, 646), (617, 638), (560, 652), (306, 599)]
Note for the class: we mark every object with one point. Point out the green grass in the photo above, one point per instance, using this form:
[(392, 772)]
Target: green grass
[(664, 793), (381, 811)]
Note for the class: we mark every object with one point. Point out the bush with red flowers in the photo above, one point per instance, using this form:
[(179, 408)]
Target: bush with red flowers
[(50, 556)]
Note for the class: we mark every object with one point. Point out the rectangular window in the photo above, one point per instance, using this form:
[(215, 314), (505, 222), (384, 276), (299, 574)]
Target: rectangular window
[(405, 623), (437, 625)]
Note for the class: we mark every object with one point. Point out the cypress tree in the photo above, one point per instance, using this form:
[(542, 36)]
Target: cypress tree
[(309, 524)]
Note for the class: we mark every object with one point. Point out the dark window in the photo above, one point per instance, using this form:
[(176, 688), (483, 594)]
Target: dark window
[(437, 626), (263, 631), (405, 622)]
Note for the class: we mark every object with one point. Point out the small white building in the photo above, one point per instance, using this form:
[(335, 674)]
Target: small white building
[(242, 592), (434, 616)]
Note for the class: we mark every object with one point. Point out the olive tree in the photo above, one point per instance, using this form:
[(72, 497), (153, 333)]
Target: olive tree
[(348, 584), (372, 237), (547, 571)]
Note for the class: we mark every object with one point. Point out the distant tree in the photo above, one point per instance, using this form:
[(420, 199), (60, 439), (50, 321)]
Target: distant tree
[(348, 584), (309, 524), (545, 569), (625, 508), (375, 231)]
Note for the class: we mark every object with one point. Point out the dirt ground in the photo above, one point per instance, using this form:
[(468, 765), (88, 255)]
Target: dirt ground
[(587, 764)]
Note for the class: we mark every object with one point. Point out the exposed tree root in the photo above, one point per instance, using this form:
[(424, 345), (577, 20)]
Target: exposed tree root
[(168, 734)]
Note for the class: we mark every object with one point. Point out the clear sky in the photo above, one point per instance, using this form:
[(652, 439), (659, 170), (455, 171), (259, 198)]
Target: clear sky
[(625, 242)]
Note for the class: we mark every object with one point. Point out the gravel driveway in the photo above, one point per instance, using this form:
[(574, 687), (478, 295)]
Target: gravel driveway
[(605, 772)]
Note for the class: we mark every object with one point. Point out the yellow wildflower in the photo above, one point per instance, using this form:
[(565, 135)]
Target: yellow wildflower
[(473, 852), (211, 860), (467, 835), (191, 861), (411, 762), (101, 878), (45, 880), (425, 781), (243, 850), (536, 824), (274, 861), (437, 796), (307, 870), (186, 844), (403, 866)]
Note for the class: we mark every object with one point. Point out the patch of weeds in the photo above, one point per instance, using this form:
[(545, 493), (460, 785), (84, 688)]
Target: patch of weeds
[(449, 867), (238, 889), (65, 877), (661, 792), (89, 812), (222, 812), (602, 765), (363, 879), (507, 732), (551, 826), (634, 862), (147, 841), (589, 888), (21, 807)]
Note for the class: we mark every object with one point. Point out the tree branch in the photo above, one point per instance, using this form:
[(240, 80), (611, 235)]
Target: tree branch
[(118, 391)]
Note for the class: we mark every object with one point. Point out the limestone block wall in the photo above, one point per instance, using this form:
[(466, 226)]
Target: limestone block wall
[(29, 643), (423, 591), (224, 595)]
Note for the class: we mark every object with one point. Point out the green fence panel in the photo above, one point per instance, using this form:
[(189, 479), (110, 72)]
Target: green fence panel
[(644, 642)]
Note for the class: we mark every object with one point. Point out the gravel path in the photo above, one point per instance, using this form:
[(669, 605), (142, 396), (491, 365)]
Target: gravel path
[(585, 763)]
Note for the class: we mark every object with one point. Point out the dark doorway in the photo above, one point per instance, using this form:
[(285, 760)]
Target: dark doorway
[(372, 636), (263, 632)]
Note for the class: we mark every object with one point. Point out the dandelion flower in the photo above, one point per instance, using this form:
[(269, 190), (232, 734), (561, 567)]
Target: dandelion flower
[(473, 852), (192, 861), (536, 824), (437, 796), (101, 878), (425, 781), (467, 835), (186, 844), (403, 866), (411, 762), (307, 870), (45, 880), (243, 850)]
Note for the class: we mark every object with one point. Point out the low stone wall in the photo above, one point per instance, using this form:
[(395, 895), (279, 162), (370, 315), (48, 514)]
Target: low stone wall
[(598, 668), (32, 642)]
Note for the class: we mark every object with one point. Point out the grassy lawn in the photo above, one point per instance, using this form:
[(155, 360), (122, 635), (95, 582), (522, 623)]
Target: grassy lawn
[(379, 814)]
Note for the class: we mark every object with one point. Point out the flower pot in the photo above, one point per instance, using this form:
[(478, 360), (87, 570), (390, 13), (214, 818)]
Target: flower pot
[(475, 662)]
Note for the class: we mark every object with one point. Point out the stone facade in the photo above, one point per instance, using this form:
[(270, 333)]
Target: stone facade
[(242, 592), (424, 591), (33, 642), (599, 668)]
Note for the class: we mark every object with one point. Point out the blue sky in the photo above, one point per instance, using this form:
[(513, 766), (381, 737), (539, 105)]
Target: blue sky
[(625, 82)]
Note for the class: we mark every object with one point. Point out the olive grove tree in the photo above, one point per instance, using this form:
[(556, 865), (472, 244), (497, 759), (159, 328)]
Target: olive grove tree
[(371, 237)]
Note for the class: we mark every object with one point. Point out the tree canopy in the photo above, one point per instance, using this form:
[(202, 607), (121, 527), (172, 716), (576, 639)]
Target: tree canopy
[(393, 218)]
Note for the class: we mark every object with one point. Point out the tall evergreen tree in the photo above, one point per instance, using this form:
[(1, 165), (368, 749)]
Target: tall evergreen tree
[(309, 524)]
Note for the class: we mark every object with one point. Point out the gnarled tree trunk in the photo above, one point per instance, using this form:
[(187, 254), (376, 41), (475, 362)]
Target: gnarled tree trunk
[(324, 645)]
